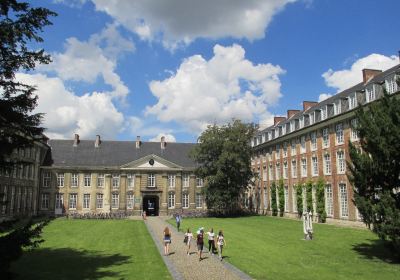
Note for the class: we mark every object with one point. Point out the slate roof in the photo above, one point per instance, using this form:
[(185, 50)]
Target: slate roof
[(115, 153)]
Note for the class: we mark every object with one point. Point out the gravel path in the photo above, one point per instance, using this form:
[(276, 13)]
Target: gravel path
[(183, 266)]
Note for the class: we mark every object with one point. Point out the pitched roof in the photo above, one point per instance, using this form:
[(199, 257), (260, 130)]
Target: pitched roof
[(115, 153)]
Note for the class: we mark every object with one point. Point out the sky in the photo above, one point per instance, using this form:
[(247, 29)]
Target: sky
[(151, 68)]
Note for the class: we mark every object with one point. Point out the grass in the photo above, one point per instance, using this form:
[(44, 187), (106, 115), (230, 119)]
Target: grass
[(272, 248), (93, 249)]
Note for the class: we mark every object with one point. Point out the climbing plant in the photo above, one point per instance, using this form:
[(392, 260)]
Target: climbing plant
[(281, 196), (299, 200), (274, 207), (320, 197), (309, 200)]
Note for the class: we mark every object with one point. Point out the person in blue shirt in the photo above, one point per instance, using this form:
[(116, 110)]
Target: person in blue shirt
[(178, 219)]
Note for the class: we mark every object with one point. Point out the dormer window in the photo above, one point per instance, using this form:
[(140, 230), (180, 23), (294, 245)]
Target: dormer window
[(352, 101), (323, 114), (391, 85), (370, 93)]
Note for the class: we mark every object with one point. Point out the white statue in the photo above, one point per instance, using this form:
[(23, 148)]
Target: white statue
[(307, 226)]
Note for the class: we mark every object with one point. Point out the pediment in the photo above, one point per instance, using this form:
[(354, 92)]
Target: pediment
[(151, 162)]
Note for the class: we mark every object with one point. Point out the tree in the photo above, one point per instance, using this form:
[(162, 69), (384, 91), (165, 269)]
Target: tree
[(19, 27), (299, 200), (320, 200), (375, 167), (281, 195), (274, 205), (224, 156)]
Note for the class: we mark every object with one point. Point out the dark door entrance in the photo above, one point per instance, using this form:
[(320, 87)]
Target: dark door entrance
[(150, 205)]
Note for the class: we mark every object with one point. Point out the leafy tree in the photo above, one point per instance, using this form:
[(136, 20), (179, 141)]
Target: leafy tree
[(20, 25), (309, 199), (224, 156), (14, 241), (375, 167), (281, 195), (320, 198), (274, 205), (299, 200)]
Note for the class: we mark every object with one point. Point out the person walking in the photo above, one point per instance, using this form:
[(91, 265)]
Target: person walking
[(178, 221), (188, 239), (211, 241), (221, 242), (167, 240), (200, 243)]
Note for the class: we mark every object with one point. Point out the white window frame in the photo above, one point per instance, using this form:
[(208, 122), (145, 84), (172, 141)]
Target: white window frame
[(285, 170), (199, 200), (151, 180), (325, 137), (74, 180), (199, 182), (327, 164), (314, 161), (87, 180), (293, 148), (339, 134), (304, 167), (60, 180), (186, 180), (171, 200), (73, 201), (99, 201), (329, 200), (100, 180), (46, 179), (344, 200), (44, 202), (171, 181), (130, 200), (270, 172), (86, 201), (115, 181), (294, 168), (341, 162), (59, 201), (185, 200), (303, 147), (313, 141), (115, 200), (354, 132), (277, 171), (130, 181)]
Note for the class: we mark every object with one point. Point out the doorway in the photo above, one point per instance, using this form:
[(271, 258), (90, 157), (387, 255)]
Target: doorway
[(151, 205)]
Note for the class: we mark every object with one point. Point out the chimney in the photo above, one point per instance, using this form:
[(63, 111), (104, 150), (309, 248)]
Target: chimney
[(308, 104), (137, 142), (163, 144), (97, 142), (368, 74), (291, 113), (76, 140), (278, 119)]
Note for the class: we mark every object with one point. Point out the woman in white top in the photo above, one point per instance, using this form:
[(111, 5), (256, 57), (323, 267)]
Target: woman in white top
[(188, 239), (211, 244), (220, 242)]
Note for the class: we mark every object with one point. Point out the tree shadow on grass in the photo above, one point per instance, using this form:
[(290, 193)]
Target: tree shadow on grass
[(65, 263), (377, 249)]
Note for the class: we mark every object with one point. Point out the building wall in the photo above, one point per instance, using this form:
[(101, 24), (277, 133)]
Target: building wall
[(139, 190)]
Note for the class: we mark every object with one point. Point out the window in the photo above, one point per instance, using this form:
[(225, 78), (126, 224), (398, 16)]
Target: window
[(45, 201), (341, 164), (323, 114), (199, 200), (314, 166), (185, 180), (354, 132), (171, 181), (391, 86), (151, 181), (19, 200), (286, 199), (115, 181), (60, 179), (285, 149), (302, 144), (325, 137), (265, 198), (264, 174), (115, 200), (46, 179), (294, 168), (86, 201), (370, 93), (339, 134), (74, 180), (199, 182), (130, 200), (329, 200), (99, 201), (303, 167), (352, 101), (4, 206), (327, 164), (29, 199), (278, 151), (59, 201), (344, 211), (171, 200), (73, 198), (278, 171), (313, 141), (294, 198), (270, 171), (285, 170), (87, 180), (100, 180), (185, 200), (293, 148), (12, 200), (131, 181)]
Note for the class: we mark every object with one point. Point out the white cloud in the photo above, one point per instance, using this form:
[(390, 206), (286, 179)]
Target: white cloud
[(226, 86), (168, 138), (323, 96), (87, 60), (344, 79), (176, 22), (67, 113)]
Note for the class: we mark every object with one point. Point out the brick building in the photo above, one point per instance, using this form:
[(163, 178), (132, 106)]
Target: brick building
[(312, 143), (94, 176)]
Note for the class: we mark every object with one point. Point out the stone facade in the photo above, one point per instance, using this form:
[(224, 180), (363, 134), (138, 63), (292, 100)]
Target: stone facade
[(314, 143)]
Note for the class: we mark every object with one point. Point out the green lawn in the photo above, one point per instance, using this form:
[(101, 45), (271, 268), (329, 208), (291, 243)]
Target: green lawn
[(272, 248), (93, 249)]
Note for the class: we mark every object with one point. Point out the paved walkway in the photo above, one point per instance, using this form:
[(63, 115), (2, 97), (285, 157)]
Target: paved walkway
[(183, 266)]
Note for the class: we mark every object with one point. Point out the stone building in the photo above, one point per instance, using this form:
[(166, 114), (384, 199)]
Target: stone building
[(19, 187), (95, 176), (312, 143)]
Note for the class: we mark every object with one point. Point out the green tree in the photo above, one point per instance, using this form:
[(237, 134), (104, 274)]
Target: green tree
[(281, 195), (320, 200), (309, 199), (20, 25), (224, 157), (274, 205), (375, 167), (299, 200)]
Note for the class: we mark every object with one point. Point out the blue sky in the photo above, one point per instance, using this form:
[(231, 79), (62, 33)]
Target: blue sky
[(151, 68)]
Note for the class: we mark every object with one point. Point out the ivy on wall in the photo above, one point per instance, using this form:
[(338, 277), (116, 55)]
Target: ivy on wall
[(320, 197), (299, 200), (274, 206), (309, 199), (281, 196)]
